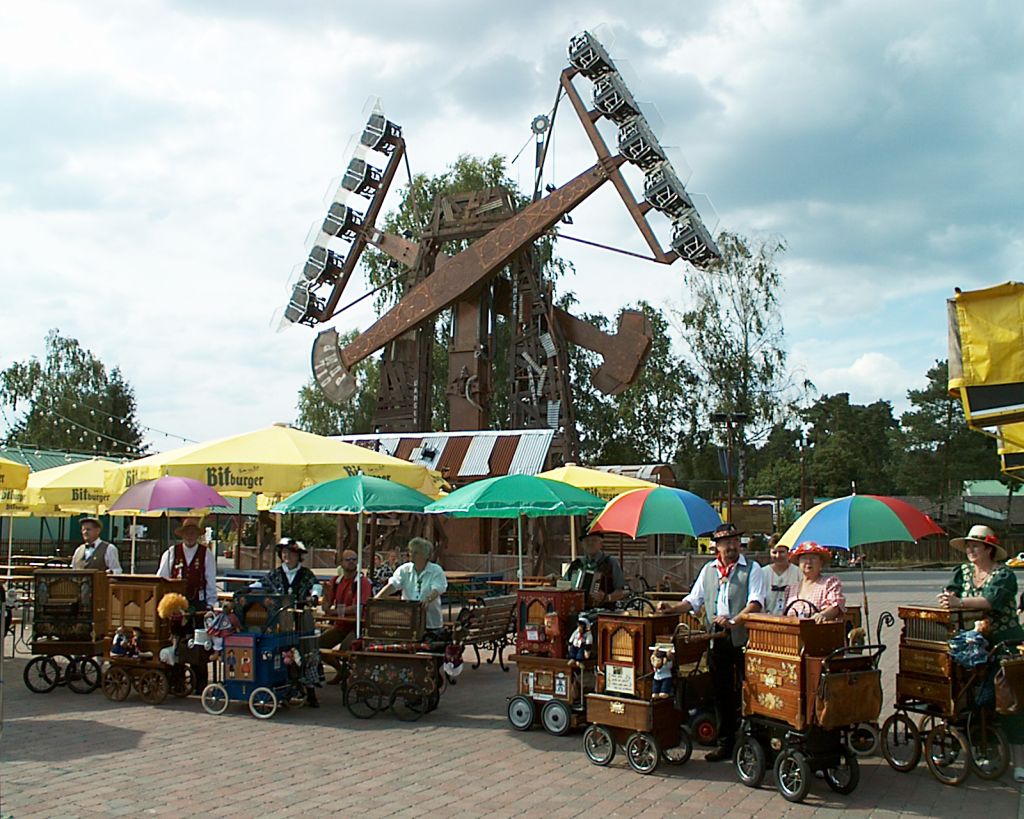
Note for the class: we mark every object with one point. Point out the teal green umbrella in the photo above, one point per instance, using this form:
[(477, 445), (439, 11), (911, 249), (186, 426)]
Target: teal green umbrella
[(517, 496), (357, 495)]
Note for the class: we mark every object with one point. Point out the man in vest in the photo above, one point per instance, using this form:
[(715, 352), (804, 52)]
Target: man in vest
[(94, 552), (599, 572), (729, 588), (193, 562)]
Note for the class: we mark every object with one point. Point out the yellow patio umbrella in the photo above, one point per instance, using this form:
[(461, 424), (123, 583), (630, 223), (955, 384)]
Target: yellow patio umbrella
[(12, 505), (12, 475), (605, 485), (277, 460), (74, 488)]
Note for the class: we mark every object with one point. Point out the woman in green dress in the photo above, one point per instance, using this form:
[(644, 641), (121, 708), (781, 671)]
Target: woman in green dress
[(985, 585)]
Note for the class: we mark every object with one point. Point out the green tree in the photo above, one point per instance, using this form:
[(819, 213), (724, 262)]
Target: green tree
[(70, 400), (941, 452), (320, 416), (734, 335)]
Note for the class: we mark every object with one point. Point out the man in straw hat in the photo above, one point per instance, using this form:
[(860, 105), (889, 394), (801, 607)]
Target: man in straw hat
[(94, 552), (191, 561), (729, 588)]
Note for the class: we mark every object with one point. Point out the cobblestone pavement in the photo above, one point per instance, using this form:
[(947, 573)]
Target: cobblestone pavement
[(63, 754)]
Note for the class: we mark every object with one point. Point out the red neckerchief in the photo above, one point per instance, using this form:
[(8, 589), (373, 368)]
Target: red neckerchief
[(723, 570)]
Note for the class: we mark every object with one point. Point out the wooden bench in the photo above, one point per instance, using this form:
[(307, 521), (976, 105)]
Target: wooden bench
[(489, 623)]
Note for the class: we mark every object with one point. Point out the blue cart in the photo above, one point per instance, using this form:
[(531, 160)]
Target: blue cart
[(257, 664)]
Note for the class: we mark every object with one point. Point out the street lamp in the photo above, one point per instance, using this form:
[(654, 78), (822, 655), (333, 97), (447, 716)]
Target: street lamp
[(729, 420)]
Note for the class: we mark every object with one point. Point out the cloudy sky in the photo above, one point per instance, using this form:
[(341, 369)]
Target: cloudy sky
[(161, 164)]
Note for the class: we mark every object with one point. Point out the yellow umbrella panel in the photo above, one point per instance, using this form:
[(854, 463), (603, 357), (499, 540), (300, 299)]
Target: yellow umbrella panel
[(12, 475), (605, 485), (277, 460), (74, 488)]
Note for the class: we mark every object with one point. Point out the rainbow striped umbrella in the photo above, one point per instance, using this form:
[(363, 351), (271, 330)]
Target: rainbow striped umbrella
[(660, 510), (855, 520)]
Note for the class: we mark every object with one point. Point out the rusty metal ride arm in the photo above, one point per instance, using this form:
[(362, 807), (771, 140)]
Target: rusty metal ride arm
[(460, 274)]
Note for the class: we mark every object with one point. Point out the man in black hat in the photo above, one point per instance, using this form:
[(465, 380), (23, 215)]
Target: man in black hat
[(597, 574), (94, 552), (729, 588)]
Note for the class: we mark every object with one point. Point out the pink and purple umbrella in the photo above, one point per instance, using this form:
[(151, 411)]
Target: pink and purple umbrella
[(168, 494)]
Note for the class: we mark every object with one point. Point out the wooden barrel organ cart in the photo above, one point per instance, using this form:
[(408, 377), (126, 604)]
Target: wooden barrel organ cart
[(547, 681), (622, 712), (69, 622), (260, 664), (804, 691), (132, 602), (955, 733), (391, 668)]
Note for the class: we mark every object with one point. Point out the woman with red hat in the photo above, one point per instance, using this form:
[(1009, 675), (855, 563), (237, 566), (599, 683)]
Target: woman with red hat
[(824, 593)]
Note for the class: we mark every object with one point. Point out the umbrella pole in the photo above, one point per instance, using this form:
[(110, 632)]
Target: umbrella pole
[(10, 545), (132, 569), (519, 520), (361, 529), (864, 588), (572, 536)]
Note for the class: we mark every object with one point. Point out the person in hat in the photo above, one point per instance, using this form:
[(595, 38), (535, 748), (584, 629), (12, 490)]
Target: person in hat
[(823, 593), (94, 552), (292, 578), (596, 573), (340, 600), (984, 586), (192, 562), (728, 588), (779, 575)]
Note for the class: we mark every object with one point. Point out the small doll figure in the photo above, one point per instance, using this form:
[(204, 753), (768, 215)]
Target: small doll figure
[(219, 625), (169, 654), (581, 642), (134, 649), (119, 647), (661, 662)]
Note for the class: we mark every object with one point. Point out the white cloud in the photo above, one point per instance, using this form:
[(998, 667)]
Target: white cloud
[(871, 377)]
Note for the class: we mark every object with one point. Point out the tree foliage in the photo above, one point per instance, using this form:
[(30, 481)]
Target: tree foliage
[(69, 400)]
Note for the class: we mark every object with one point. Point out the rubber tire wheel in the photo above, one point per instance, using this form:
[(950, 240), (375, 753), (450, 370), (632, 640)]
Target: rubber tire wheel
[(116, 683), (408, 702), (953, 737), (864, 739), (995, 739), (835, 778), (262, 703), (643, 753), (295, 697), (363, 699), (83, 675), (153, 687), (181, 682), (599, 745), (38, 675), (792, 775), (899, 729), (215, 699), (521, 713), (556, 718), (679, 754), (751, 762)]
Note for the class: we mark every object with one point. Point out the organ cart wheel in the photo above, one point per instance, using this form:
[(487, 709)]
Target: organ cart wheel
[(679, 754), (83, 675), (181, 682), (947, 754), (751, 762), (215, 699), (363, 699), (990, 749), (901, 742), (521, 713), (409, 702), (41, 675), (555, 718), (792, 775), (863, 739), (598, 745), (117, 685), (295, 696), (153, 687), (262, 703), (643, 753), (845, 776), (706, 730)]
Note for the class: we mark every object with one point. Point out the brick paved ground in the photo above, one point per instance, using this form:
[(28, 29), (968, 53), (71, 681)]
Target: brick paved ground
[(63, 754)]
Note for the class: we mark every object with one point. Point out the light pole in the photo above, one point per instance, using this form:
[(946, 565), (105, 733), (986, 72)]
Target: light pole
[(729, 420)]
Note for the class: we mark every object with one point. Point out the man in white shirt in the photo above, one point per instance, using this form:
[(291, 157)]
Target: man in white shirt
[(422, 580), (94, 552), (779, 574), (728, 588)]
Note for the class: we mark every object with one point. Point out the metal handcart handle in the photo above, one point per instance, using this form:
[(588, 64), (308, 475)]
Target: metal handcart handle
[(872, 652)]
